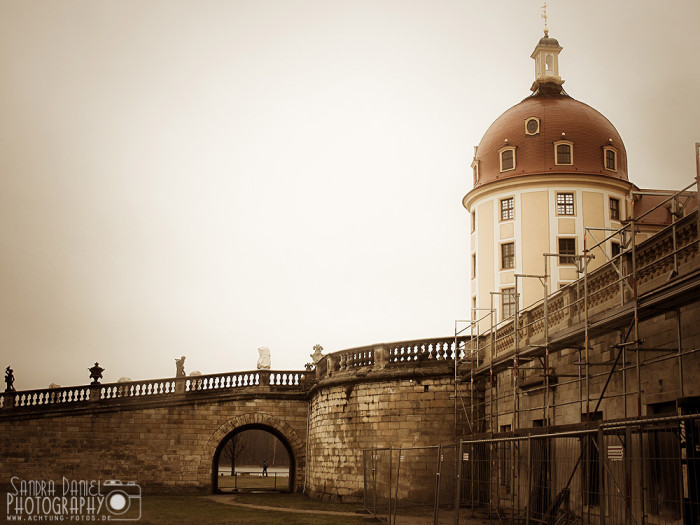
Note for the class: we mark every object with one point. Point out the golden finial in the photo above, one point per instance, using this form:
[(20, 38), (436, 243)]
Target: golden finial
[(544, 15)]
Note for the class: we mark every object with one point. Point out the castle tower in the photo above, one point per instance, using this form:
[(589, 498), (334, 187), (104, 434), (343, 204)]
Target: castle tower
[(544, 171)]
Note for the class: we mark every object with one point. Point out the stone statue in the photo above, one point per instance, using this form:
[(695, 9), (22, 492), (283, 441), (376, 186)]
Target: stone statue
[(264, 358), (180, 367), (9, 379), (96, 373), (317, 355)]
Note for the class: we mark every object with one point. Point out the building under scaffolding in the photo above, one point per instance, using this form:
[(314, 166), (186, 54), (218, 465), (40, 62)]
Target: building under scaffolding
[(589, 411), (581, 371)]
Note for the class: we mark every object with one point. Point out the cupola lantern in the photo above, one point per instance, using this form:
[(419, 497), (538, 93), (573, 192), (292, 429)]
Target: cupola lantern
[(546, 56)]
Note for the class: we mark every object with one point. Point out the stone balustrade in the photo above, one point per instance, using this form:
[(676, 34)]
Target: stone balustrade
[(53, 396), (137, 388), (295, 380), (440, 349), (608, 286)]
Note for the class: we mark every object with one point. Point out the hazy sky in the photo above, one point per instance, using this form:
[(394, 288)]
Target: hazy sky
[(205, 177)]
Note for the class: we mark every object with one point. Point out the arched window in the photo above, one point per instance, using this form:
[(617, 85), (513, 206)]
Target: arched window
[(507, 155), (549, 62), (563, 153), (610, 158)]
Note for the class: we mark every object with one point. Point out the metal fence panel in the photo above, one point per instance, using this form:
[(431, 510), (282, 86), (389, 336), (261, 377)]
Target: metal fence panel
[(377, 480), (642, 471)]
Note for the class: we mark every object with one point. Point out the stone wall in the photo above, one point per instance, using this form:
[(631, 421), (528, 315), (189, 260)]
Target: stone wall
[(388, 408), (669, 366), (170, 447)]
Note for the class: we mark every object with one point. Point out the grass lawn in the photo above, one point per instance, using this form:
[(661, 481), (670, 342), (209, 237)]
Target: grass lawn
[(167, 510), (297, 501), (244, 481)]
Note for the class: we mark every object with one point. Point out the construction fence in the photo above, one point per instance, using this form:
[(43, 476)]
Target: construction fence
[(411, 481), (644, 471)]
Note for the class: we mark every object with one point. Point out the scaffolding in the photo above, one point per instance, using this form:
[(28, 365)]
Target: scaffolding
[(499, 346), (611, 299)]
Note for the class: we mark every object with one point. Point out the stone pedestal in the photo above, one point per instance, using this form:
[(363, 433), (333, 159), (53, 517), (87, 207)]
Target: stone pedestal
[(8, 400), (94, 393), (381, 357)]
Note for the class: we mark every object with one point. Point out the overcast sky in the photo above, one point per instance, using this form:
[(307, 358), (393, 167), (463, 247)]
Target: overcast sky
[(205, 177)]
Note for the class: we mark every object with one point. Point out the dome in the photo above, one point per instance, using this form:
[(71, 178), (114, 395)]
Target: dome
[(557, 117), (548, 41)]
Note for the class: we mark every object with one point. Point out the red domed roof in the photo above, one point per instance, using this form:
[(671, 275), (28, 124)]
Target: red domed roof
[(586, 128)]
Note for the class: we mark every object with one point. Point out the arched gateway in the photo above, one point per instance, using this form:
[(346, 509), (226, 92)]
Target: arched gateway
[(293, 444)]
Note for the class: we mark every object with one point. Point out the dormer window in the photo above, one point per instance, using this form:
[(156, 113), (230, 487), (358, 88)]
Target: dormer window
[(507, 156), (610, 158), (563, 153), (532, 126)]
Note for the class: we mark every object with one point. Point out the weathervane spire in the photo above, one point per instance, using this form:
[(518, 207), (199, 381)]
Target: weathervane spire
[(544, 15)]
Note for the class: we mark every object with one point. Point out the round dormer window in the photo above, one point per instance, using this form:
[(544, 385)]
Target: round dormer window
[(532, 126)]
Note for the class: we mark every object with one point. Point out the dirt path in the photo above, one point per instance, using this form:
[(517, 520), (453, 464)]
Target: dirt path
[(230, 500), (400, 520)]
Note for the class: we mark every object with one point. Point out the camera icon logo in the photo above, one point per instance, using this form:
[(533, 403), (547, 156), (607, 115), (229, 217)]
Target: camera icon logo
[(122, 500)]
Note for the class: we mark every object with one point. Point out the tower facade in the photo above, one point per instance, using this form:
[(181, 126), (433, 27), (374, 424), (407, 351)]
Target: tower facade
[(545, 171)]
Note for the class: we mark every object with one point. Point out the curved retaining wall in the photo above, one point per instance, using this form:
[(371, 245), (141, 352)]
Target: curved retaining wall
[(390, 407)]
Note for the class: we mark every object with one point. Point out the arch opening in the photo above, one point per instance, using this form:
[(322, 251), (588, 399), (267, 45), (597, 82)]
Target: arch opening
[(253, 458)]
